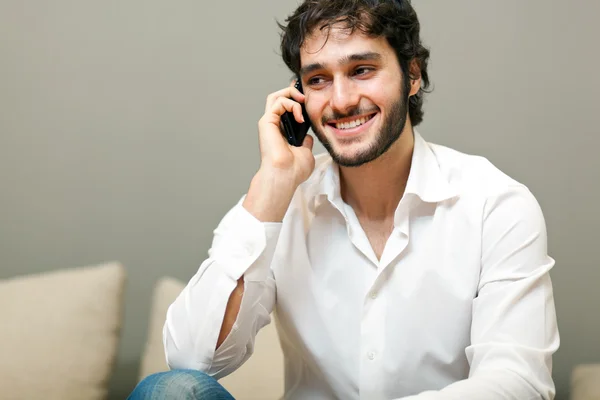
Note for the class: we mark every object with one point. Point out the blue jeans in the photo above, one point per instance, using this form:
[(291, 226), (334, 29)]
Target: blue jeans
[(179, 384)]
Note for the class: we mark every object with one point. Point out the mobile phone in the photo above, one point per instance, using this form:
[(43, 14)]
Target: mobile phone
[(294, 131)]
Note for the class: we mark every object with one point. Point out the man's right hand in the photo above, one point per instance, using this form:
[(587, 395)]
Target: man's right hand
[(283, 167)]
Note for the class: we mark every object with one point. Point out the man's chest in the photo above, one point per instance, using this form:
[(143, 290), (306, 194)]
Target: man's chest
[(377, 233), (429, 249), (343, 304)]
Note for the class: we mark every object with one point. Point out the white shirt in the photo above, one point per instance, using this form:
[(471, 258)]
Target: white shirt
[(460, 305)]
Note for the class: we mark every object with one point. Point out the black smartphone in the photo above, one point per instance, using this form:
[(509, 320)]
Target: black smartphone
[(294, 131)]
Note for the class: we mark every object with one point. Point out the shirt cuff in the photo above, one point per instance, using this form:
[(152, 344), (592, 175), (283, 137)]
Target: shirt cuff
[(248, 246)]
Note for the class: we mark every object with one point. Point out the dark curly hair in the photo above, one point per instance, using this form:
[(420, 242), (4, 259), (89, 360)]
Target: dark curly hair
[(396, 20)]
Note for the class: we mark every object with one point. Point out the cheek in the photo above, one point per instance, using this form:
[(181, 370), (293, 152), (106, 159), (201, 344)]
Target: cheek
[(379, 92), (388, 97), (314, 108)]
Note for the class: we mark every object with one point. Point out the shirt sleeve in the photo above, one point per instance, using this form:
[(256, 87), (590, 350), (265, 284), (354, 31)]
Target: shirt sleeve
[(242, 246), (514, 330)]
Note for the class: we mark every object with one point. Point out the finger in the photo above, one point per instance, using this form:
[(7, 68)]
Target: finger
[(298, 114), (284, 104), (289, 92)]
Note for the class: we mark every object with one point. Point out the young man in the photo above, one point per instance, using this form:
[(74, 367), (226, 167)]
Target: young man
[(396, 268)]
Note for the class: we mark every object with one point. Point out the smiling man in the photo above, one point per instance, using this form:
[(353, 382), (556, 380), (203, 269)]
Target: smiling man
[(396, 268)]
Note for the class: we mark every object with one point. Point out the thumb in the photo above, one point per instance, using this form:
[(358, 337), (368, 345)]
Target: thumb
[(308, 142)]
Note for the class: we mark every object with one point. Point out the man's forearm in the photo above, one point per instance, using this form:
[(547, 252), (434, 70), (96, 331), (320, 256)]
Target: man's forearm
[(490, 385), (267, 200), (210, 307)]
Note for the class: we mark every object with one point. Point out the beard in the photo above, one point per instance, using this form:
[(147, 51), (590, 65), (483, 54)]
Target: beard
[(392, 128)]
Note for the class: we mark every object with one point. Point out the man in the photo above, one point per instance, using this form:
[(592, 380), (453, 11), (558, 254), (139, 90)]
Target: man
[(396, 268)]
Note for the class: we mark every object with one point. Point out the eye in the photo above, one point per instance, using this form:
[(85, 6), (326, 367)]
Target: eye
[(315, 80), (362, 70)]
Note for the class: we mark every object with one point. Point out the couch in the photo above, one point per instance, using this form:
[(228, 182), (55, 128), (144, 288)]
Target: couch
[(67, 324), (60, 333)]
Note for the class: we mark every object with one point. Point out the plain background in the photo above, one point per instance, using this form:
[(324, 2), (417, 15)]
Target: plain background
[(128, 128)]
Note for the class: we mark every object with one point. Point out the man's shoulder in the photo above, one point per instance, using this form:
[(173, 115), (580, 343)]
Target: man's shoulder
[(472, 174)]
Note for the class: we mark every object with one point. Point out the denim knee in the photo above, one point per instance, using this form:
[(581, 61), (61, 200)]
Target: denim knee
[(179, 384)]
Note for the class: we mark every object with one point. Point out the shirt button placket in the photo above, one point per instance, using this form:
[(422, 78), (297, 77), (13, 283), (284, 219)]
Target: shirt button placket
[(371, 332)]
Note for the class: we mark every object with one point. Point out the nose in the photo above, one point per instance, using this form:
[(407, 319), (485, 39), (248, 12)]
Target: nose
[(344, 97)]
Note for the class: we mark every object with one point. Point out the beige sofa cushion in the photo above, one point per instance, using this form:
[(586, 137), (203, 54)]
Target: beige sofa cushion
[(585, 382), (260, 378), (60, 332), (153, 357)]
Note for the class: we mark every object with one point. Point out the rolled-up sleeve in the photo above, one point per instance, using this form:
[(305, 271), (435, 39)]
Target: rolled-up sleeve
[(514, 330), (242, 246)]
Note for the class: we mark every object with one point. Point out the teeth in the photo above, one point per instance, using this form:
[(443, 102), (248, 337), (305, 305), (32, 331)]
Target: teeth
[(351, 124)]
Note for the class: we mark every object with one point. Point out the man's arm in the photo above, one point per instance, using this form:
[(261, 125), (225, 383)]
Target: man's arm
[(267, 200), (242, 250), (212, 324), (514, 330)]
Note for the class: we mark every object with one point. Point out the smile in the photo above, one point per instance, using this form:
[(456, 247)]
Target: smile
[(353, 123), (352, 128)]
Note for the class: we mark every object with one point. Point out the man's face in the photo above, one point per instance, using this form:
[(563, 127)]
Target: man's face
[(354, 94)]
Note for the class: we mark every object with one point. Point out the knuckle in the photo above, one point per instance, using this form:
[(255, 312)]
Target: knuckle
[(282, 102)]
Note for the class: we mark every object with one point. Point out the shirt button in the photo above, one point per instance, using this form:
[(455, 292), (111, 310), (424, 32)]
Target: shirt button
[(373, 295), (371, 356)]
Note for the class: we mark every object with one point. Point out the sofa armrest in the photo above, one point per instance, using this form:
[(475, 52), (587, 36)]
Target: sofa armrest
[(585, 382)]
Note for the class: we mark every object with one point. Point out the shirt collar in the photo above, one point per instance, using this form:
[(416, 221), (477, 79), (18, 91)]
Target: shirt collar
[(425, 180)]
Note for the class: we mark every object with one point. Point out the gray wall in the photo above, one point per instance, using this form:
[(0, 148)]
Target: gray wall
[(127, 129)]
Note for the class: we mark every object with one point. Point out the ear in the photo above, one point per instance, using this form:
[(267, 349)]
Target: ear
[(415, 77)]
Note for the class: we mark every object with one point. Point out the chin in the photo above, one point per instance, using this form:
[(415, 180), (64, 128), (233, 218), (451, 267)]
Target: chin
[(356, 150), (352, 154), (362, 149)]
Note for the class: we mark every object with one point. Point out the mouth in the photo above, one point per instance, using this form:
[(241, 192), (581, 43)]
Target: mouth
[(352, 126)]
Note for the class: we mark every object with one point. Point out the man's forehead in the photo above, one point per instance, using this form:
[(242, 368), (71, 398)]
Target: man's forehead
[(331, 44), (336, 33)]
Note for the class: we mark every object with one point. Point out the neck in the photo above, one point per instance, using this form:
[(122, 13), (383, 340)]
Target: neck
[(374, 189)]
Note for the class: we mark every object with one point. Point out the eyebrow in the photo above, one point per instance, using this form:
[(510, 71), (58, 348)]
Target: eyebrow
[(368, 56)]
